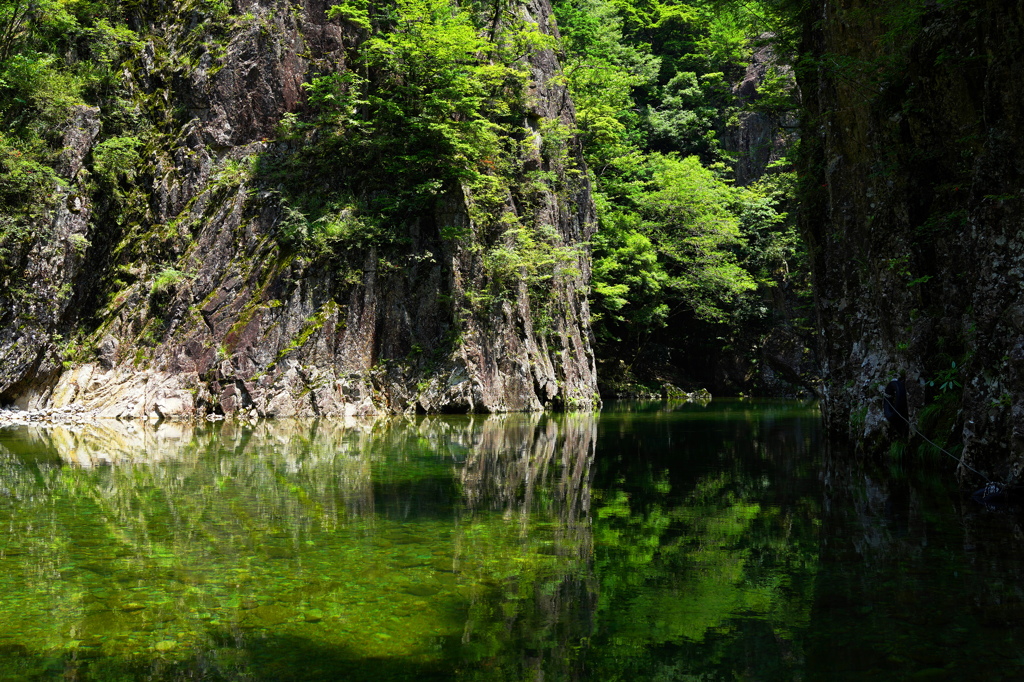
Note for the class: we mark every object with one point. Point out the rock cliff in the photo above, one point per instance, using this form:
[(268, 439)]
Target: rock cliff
[(912, 183), (156, 283)]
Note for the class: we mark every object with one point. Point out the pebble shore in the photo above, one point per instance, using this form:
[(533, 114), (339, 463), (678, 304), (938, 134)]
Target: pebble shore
[(72, 414), (76, 414)]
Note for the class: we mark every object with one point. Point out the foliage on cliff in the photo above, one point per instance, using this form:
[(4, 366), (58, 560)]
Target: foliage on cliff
[(436, 100), (54, 55)]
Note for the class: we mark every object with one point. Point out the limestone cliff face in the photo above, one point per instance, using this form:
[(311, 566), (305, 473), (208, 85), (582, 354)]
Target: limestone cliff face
[(179, 301), (913, 173)]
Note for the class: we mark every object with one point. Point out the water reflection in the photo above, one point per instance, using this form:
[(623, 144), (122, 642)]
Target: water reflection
[(917, 580), (656, 541), (535, 472), (217, 550), (706, 518)]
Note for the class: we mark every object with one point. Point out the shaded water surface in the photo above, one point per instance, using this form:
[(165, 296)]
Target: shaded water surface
[(651, 542)]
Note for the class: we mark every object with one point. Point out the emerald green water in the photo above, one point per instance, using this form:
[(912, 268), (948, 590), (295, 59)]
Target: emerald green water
[(653, 541)]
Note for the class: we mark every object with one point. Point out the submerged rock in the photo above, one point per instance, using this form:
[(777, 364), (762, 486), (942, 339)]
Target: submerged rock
[(272, 614)]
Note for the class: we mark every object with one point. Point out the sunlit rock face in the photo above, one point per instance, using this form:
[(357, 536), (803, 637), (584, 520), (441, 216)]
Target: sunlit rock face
[(912, 190), (189, 305)]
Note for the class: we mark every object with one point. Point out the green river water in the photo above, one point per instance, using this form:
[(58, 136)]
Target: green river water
[(653, 541)]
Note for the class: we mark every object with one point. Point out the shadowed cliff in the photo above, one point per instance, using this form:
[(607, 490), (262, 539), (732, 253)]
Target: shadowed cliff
[(911, 183)]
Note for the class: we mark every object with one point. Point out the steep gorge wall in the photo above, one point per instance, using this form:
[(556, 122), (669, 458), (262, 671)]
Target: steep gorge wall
[(913, 181), (174, 296)]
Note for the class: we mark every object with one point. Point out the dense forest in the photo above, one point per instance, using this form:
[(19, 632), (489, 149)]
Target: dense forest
[(267, 208), (687, 117)]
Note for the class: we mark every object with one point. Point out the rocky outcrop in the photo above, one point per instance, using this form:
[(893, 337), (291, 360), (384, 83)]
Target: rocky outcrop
[(912, 184), (766, 130), (174, 297), (37, 277)]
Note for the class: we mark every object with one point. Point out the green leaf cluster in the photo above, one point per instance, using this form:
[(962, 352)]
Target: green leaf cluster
[(434, 96), (433, 102), (679, 244), (56, 55)]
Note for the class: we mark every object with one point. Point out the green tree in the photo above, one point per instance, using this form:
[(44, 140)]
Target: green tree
[(628, 278), (681, 257), (434, 101), (688, 212)]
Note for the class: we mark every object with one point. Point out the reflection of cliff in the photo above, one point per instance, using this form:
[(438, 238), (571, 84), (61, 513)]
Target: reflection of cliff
[(535, 471), (518, 464), (121, 442), (880, 515), (913, 579), (305, 469), (525, 465), (473, 531)]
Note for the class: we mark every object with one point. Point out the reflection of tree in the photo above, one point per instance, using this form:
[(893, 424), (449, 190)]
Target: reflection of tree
[(702, 547)]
